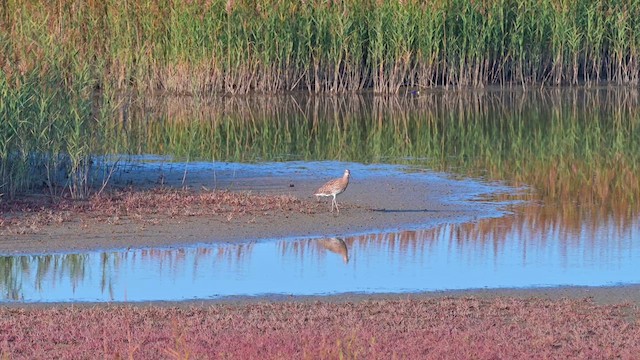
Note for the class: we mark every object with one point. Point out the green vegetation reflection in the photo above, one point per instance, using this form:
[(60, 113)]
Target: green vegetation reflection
[(44, 269)]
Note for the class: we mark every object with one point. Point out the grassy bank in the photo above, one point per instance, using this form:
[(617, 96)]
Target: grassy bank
[(227, 46)]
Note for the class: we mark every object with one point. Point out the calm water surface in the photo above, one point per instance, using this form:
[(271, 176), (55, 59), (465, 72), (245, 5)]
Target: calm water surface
[(447, 257)]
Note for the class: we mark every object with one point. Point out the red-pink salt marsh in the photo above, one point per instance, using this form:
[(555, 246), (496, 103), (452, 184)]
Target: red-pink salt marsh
[(452, 328)]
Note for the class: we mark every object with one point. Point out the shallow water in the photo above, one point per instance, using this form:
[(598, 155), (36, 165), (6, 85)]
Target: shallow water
[(451, 256)]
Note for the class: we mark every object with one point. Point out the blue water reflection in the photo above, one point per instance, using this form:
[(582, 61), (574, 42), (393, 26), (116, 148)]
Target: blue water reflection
[(514, 251)]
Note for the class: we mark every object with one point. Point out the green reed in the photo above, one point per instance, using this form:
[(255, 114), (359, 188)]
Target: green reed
[(227, 46), (45, 135)]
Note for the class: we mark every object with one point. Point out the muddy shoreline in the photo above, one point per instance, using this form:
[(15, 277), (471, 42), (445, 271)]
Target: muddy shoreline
[(599, 295), (371, 204)]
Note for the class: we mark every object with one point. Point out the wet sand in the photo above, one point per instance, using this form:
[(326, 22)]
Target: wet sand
[(370, 205)]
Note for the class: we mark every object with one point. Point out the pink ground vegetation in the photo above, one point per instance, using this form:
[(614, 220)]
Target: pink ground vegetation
[(452, 328)]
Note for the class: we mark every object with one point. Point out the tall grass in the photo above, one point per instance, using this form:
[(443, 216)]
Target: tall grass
[(45, 135), (242, 46)]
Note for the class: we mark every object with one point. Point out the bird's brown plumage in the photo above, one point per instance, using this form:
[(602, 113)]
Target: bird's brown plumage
[(334, 188)]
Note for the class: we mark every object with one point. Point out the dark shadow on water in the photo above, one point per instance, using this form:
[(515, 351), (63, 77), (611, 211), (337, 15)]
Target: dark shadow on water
[(403, 210)]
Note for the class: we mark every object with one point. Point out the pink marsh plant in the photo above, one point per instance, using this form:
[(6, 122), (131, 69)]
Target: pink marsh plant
[(446, 328)]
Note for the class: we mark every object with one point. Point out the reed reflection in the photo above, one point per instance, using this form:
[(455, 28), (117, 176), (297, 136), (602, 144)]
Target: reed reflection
[(40, 272)]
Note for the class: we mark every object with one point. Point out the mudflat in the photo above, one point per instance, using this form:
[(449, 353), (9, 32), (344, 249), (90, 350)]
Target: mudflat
[(285, 208)]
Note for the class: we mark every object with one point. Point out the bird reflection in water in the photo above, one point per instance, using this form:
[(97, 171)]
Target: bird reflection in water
[(337, 246)]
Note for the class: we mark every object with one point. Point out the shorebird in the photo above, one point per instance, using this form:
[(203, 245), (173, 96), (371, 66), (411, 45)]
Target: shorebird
[(334, 188)]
